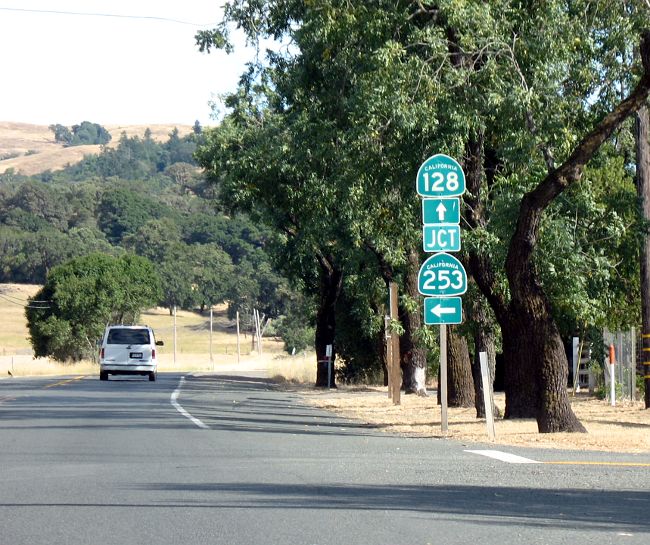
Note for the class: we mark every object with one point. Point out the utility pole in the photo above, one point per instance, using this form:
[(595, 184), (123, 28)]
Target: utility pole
[(643, 191), (174, 334), (238, 343), (211, 359)]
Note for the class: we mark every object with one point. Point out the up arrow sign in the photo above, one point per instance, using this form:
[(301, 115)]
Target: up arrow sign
[(442, 210)]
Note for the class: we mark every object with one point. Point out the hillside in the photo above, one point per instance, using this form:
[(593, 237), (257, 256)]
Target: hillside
[(37, 151)]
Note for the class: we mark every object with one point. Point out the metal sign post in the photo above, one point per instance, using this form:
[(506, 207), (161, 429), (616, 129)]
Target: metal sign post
[(443, 379)]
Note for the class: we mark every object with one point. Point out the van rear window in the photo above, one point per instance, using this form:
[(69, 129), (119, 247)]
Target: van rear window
[(128, 336)]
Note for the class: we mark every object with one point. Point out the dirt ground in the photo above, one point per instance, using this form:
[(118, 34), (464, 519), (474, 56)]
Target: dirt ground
[(623, 428)]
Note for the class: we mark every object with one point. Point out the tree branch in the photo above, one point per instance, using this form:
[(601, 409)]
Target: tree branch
[(536, 201), (386, 270)]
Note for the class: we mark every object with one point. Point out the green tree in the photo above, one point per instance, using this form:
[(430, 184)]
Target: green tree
[(80, 297), (82, 134), (61, 133), (376, 88), (89, 133), (122, 211), (250, 163)]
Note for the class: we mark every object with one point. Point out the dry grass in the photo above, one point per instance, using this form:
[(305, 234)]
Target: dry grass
[(298, 369), (192, 341), (624, 428), (20, 138), (13, 330)]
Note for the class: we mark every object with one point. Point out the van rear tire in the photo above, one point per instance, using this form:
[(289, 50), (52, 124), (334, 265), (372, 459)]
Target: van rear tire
[(152, 376), (103, 375)]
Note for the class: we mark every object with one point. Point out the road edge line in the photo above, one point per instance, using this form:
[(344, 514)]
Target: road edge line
[(180, 409), (504, 456)]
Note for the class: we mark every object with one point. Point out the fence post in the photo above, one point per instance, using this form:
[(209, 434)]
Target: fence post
[(612, 374)]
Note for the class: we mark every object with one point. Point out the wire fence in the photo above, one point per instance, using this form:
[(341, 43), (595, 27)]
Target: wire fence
[(625, 353), (592, 368)]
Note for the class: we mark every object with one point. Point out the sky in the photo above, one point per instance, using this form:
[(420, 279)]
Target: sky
[(142, 67)]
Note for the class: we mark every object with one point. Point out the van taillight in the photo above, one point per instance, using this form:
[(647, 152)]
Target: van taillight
[(153, 354), (101, 354)]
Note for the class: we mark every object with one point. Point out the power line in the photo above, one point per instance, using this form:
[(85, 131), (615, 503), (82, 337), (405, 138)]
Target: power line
[(6, 298), (5, 295), (114, 15)]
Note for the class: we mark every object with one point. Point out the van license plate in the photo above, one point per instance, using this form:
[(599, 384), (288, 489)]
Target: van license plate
[(136, 355)]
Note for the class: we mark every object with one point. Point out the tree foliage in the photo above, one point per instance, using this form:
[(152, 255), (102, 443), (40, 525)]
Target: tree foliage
[(79, 135), (68, 315)]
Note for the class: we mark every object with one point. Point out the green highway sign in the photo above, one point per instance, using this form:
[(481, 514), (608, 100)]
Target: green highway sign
[(443, 310), (441, 238), (440, 176), (437, 211), (442, 274)]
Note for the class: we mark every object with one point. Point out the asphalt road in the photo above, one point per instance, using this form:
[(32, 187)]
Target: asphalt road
[(232, 460)]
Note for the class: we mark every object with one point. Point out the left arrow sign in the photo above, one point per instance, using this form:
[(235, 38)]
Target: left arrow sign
[(439, 310), (443, 310)]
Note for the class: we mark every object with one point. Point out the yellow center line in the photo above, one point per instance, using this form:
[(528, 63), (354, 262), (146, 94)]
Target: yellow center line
[(621, 464), (61, 383)]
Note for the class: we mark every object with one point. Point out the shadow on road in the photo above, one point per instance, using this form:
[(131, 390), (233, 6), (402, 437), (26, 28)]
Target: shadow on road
[(581, 510), (243, 404)]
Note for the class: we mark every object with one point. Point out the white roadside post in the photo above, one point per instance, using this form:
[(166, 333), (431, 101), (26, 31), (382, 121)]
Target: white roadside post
[(442, 277), (487, 395), (612, 375), (328, 354)]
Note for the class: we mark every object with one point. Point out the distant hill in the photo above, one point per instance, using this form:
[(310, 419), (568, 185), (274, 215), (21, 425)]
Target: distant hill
[(31, 149)]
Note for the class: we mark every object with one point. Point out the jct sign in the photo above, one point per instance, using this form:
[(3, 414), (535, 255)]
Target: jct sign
[(441, 238)]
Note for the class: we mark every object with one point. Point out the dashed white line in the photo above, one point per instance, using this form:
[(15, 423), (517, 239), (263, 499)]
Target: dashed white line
[(180, 409), (504, 456)]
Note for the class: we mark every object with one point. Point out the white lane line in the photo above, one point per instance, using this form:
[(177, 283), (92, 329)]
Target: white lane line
[(504, 456), (179, 408)]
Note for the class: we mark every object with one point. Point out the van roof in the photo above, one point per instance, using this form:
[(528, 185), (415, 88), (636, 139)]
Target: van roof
[(128, 326)]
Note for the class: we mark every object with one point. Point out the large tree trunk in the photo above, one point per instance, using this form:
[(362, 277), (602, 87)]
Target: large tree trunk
[(414, 359), (331, 280), (460, 386), (520, 375), (643, 191), (483, 342)]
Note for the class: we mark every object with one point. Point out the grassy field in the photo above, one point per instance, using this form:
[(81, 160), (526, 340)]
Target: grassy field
[(34, 149), (192, 344)]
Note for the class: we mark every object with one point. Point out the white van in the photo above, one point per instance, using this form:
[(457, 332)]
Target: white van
[(128, 350)]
